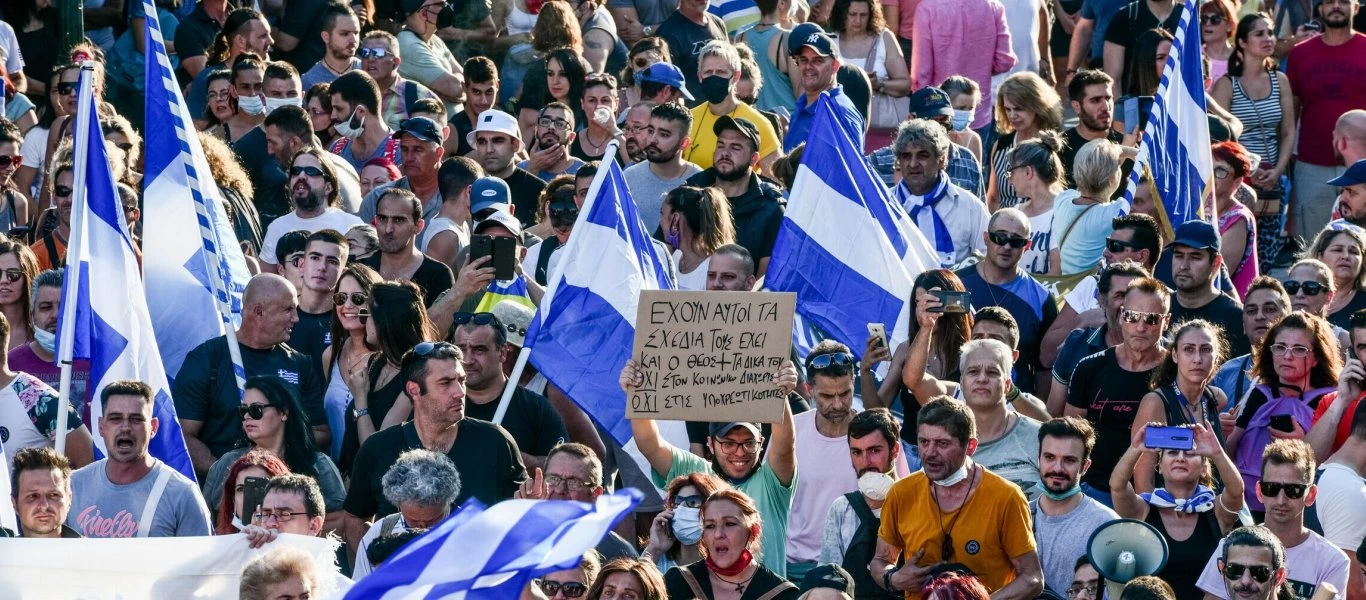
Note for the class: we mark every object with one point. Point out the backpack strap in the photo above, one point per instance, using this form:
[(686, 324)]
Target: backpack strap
[(409, 97), (387, 525), (1073, 224), (777, 590), (548, 247), (149, 509), (860, 506), (692, 582)]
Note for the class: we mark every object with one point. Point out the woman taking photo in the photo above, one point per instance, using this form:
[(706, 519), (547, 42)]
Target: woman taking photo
[(695, 223), (1181, 394), (1083, 217), (768, 40), (258, 463), (730, 536), (18, 267), (628, 579), (1188, 514), (1259, 95), (676, 533), (864, 41), (1216, 36), (1035, 173), (1025, 106), (1341, 248), (1237, 226), (348, 352)]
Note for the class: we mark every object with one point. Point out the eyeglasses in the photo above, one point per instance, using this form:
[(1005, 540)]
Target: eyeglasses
[(372, 53), (1090, 589), (688, 501), (427, 349), (61, 191), (1310, 288), (309, 171), (571, 589), (566, 212), (67, 88), (838, 360), (1234, 572), (1222, 173), (1211, 19), (1295, 351), (1134, 316), (1001, 238), (11, 161), (255, 411), (1010, 172), (283, 515), (729, 446), (550, 123), (573, 483), (1293, 491), (357, 298), (1116, 246), (13, 275)]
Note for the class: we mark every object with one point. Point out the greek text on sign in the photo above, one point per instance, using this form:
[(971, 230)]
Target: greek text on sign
[(711, 356)]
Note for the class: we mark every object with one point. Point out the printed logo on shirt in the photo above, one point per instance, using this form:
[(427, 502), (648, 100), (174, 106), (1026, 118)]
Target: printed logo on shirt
[(4, 434), (973, 547), (92, 524), (288, 376)]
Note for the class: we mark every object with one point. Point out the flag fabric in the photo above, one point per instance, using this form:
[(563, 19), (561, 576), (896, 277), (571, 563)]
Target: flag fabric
[(518, 540), (738, 15), (849, 252), (8, 519), (191, 257), (1176, 144), (104, 314), (498, 291)]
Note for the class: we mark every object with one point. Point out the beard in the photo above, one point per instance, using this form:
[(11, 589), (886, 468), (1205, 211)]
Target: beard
[(1092, 123), (655, 155), (308, 200), (732, 174)]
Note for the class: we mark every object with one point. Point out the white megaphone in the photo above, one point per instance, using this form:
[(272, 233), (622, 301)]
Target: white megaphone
[(1124, 549)]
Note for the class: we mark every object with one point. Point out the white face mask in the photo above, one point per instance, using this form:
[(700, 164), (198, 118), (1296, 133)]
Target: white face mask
[(955, 477), (251, 105), (47, 340), (345, 129), (687, 525), (274, 103), (874, 485)]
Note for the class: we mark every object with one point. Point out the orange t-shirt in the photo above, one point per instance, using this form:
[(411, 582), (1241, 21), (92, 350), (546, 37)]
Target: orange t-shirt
[(46, 260), (994, 529), (1345, 425)]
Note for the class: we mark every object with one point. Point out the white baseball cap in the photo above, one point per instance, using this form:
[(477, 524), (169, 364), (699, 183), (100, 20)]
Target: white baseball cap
[(496, 121)]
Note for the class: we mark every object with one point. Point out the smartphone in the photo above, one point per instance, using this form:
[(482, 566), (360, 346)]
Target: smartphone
[(504, 258), (253, 492), (879, 331), (954, 302), (1136, 111), (1169, 438), (1314, 25), (480, 246), (1283, 423)]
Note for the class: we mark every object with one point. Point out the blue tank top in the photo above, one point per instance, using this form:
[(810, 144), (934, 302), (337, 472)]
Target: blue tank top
[(777, 90)]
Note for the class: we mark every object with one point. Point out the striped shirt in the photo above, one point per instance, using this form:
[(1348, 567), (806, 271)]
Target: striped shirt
[(1261, 119)]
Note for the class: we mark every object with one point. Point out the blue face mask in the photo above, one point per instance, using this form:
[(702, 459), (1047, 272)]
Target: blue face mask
[(961, 119)]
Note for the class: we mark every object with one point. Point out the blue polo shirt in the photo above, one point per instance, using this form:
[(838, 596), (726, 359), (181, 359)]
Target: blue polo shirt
[(849, 117), (1080, 343), (1032, 305)]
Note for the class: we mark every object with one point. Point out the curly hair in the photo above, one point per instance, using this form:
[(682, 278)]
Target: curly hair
[(223, 165)]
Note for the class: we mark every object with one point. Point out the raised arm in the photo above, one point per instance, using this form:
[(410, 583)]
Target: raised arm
[(914, 374), (782, 449), (869, 387), (1127, 502), (657, 451)]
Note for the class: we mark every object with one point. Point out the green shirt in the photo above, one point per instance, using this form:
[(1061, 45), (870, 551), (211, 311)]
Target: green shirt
[(772, 497)]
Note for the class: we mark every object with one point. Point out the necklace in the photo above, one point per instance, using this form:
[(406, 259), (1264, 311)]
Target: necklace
[(739, 585), (596, 146), (946, 546)]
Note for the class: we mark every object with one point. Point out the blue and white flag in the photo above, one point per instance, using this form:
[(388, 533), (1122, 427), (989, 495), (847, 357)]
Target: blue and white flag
[(8, 519), (1176, 144), (849, 252), (518, 540), (104, 314), (191, 264)]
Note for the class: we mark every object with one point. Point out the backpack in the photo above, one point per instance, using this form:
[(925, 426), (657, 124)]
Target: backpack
[(861, 549)]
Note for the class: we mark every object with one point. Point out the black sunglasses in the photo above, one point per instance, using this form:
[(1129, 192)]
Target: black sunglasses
[(1001, 238), (1117, 246), (357, 298), (255, 411), (838, 360), (1234, 572), (13, 275), (61, 191), (1293, 491), (483, 318), (67, 88), (571, 589), (1310, 288), (309, 171), (1211, 19)]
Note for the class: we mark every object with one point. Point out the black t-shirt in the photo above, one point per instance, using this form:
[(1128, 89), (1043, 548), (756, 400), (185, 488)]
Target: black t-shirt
[(303, 19), (1127, 26), (758, 213), (267, 178), (461, 127), (1222, 311), (205, 389), (1074, 142), (432, 276), (1110, 394), (311, 335), (194, 37), (1343, 317), (855, 84), (530, 420), (487, 459), (685, 39), (526, 194)]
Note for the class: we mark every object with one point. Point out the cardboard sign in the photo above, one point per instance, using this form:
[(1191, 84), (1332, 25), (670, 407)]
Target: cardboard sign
[(711, 356)]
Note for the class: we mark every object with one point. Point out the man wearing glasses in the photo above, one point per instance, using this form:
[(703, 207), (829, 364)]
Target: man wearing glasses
[(998, 280), (314, 193), (292, 504), (574, 472), (1286, 489), (1195, 262), (379, 57), (549, 152)]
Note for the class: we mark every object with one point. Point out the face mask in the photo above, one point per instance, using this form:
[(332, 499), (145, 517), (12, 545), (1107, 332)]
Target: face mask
[(47, 340), (1072, 491), (715, 89), (961, 118), (237, 523), (955, 477), (674, 238), (274, 103), (445, 18), (251, 105), (874, 485), (687, 525), (351, 127)]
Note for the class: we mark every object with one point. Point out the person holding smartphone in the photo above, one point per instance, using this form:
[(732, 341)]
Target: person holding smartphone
[(1181, 394)]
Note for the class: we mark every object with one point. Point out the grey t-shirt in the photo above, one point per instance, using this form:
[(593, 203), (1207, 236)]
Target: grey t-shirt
[(102, 509), (1062, 539), (329, 479), (648, 190), (1015, 455)]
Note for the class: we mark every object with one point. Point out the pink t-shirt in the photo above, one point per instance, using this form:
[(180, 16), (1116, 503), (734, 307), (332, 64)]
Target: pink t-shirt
[(23, 359), (1246, 270), (961, 37), (905, 25)]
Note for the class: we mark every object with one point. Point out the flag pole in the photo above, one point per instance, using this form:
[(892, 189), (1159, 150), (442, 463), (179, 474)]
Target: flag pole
[(72, 278), (553, 278)]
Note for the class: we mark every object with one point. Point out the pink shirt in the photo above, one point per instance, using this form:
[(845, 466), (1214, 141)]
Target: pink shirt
[(951, 38), (905, 21)]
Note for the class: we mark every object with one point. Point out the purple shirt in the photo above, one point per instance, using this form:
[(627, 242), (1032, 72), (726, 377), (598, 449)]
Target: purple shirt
[(952, 38), (23, 359)]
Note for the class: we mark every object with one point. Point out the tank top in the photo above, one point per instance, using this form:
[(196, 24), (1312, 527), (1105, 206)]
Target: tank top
[(1000, 168), (1186, 558), (380, 400), (336, 399), (1261, 119), (520, 21), (777, 89)]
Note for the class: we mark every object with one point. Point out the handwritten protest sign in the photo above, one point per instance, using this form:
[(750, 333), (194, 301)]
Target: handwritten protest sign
[(711, 356)]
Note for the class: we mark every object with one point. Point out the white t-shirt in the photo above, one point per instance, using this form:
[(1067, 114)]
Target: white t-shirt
[(28, 414), (9, 49), (828, 474), (1342, 506), (440, 224), (331, 218), (1041, 234), (1311, 562), (695, 281), (34, 151), (363, 566), (533, 257)]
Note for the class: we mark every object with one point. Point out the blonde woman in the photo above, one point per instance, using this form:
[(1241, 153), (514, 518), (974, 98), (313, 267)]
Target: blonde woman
[(1025, 106)]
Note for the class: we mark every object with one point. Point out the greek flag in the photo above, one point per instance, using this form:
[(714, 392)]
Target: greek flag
[(191, 257), (104, 315), (849, 252), (8, 519), (518, 540), (1176, 145)]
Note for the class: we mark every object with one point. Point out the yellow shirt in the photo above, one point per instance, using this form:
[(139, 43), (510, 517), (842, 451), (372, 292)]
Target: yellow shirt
[(703, 144), (994, 528)]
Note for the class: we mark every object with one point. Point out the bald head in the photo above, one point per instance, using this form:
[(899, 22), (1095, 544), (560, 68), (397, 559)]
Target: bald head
[(264, 288), (1009, 219), (1349, 137), (269, 311)]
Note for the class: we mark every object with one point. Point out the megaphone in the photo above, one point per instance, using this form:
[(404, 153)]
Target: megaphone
[(1124, 549)]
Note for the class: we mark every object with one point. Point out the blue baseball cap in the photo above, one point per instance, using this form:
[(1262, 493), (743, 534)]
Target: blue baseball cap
[(1354, 175), (810, 34), (1197, 234), (489, 192), (667, 74), (930, 102)]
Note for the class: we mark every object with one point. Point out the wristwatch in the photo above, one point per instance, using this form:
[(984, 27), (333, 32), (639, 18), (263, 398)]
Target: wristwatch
[(360, 412), (647, 30)]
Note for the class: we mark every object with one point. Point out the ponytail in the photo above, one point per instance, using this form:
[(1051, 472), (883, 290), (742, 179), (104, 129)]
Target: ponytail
[(232, 26)]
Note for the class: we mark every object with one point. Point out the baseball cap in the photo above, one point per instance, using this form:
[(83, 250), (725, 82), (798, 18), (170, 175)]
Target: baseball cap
[(489, 192), (929, 102), (494, 120), (666, 74), (810, 34), (830, 576), (721, 429), (741, 124), (421, 128), (1197, 234), (1354, 175), (516, 317), (501, 217)]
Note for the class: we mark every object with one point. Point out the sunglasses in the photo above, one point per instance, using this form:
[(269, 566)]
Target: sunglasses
[(1234, 572), (839, 360), (67, 88), (1293, 491), (571, 589), (11, 161), (564, 212), (1211, 19), (1001, 238), (357, 298), (1134, 316), (1116, 246), (483, 318), (372, 53), (1311, 288), (255, 411), (428, 349), (309, 171), (61, 191), (13, 275), (1222, 173), (1294, 351)]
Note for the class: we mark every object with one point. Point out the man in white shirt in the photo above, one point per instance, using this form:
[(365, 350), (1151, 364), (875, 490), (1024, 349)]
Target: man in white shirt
[(951, 218), (313, 192), (1342, 493)]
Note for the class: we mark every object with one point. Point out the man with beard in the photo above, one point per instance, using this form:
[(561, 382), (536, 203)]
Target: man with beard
[(1253, 566), (813, 50), (665, 168), (362, 133), (950, 217), (1287, 488), (1195, 261), (325, 255), (419, 141), (719, 73), (1322, 95), (637, 130), (1352, 198), (987, 524), (735, 449), (130, 493), (398, 219), (549, 152), (250, 32), (731, 268), (963, 167), (313, 192), (288, 129), (496, 139), (1091, 99), (852, 523), (481, 94), (755, 204), (1064, 518), (340, 35)]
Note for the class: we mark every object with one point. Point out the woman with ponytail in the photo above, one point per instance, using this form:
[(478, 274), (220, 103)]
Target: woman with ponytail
[(696, 222), (1035, 171)]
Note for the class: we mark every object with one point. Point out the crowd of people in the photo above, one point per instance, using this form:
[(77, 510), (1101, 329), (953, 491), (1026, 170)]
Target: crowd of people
[(370, 154)]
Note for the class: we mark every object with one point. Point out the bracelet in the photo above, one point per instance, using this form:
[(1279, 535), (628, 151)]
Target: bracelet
[(887, 579)]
